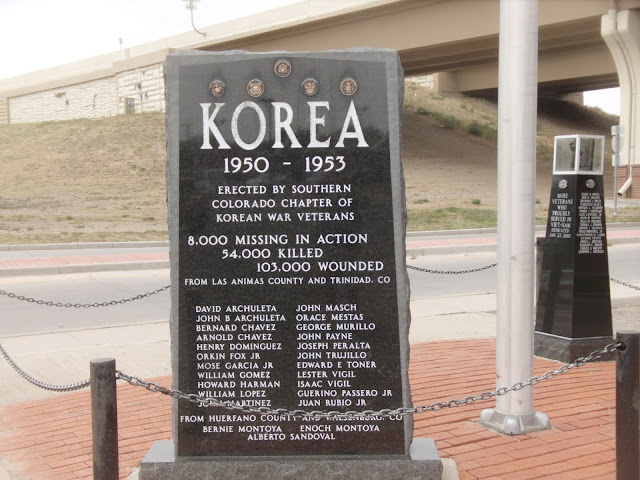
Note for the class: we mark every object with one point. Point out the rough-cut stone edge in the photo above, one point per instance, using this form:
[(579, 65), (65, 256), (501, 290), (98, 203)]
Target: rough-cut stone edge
[(395, 83)]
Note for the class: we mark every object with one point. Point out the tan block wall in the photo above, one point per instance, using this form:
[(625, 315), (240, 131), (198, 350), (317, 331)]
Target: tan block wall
[(4, 111), (93, 99), (634, 190), (104, 97), (145, 86), (422, 80)]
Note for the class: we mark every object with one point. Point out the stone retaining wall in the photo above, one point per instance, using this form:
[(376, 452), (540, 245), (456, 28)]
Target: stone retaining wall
[(423, 80), (144, 86), (142, 89), (91, 99), (4, 111)]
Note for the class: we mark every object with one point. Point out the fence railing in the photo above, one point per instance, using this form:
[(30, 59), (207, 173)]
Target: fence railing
[(104, 406)]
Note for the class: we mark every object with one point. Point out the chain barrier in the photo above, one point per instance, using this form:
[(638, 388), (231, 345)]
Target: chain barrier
[(620, 282), (387, 412), (83, 305), (166, 287), (46, 386), (452, 272), (487, 267)]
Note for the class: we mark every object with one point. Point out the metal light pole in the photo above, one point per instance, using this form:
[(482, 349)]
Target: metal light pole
[(191, 6), (616, 146), (517, 118)]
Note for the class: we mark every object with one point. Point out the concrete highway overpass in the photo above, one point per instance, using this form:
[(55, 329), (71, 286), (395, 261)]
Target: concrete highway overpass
[(583, 45), (457, 39)]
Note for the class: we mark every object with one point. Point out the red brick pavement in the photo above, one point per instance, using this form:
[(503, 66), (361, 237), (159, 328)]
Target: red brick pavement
[(51, 439)]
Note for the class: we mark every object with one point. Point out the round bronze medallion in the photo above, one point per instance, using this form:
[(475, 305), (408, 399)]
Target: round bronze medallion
[(591, 183), (310, 87), (255, 88), (282, 68), (563, 184), (348, 86), (217, 88)]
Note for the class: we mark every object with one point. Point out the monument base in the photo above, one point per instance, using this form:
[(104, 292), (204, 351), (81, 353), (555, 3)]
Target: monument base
[(567, 350), (423, 463), (514, 424)]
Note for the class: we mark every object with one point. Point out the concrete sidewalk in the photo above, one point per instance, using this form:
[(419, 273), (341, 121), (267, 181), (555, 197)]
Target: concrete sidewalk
[(47, 435)]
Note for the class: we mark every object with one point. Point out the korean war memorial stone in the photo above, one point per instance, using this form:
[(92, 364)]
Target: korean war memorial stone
[(289, 284), (573, 315)]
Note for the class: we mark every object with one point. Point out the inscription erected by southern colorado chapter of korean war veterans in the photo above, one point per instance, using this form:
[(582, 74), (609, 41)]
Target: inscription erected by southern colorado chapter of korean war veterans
[(288, 264)]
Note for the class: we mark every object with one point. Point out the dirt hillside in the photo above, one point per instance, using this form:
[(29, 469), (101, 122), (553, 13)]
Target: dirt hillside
[(449, 167), (103, 179)]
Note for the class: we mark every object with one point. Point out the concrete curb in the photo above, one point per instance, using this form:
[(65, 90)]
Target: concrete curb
[(158, 264), (88, 245), (165, 243), (490, 247), (84, 268), (487, 231)]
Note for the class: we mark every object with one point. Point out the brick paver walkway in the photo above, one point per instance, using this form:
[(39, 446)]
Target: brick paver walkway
[(51, 439)]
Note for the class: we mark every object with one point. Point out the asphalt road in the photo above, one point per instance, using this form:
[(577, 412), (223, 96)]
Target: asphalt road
[(21, 317)]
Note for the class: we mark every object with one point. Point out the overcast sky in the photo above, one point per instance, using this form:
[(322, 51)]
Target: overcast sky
[(37, 34)]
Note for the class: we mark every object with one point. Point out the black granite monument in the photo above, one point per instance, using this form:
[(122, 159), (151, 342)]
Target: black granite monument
[(289, 285), (573, 315)]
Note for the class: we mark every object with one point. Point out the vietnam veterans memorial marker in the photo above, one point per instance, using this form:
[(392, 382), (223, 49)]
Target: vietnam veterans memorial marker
[(573, 315), (289, 285)]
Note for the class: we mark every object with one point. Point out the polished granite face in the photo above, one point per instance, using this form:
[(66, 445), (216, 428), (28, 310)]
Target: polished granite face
[(286, 224), (574, 299)]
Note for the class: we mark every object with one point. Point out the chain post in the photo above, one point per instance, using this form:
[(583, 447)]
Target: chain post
[(627, 408), (104, 419)]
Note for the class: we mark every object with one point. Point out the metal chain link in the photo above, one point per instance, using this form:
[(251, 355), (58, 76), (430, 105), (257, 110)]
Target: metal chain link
[(487, 267), (387, 412), (452, 272), (47, 386), (83, 305), (620, 282)]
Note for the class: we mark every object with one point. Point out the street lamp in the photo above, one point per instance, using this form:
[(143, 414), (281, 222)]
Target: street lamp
[(191, 6)]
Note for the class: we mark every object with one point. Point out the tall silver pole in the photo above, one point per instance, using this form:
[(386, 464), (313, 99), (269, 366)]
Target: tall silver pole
[(517, 118), (616, 146)]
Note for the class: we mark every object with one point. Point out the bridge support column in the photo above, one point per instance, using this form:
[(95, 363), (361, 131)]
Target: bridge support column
[(517, 119), (621, 32)]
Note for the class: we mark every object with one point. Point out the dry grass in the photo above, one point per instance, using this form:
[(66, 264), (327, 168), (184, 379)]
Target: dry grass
[(83, 180), (103, 180), (450, 157)]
